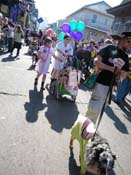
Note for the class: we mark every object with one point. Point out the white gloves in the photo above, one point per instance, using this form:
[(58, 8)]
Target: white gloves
[(118, 63)]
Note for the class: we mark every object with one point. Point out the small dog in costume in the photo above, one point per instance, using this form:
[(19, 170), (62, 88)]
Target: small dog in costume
[(95, 155)]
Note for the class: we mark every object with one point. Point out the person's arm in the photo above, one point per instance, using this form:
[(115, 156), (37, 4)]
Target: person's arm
[(61, 52), (57, 58), (40, 55), (98, 62)]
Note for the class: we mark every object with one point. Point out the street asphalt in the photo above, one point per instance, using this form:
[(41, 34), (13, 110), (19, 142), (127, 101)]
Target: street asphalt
[(35, 127)]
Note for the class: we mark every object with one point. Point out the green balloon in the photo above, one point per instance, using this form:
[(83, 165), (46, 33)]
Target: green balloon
[(81, 26), (73, 25), (61, 36)]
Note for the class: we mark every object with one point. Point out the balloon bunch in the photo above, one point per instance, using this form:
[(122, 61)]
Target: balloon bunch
[(74, 29)]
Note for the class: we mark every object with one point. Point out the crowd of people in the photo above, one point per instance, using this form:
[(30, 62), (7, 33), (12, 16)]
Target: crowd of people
[(11, 35)]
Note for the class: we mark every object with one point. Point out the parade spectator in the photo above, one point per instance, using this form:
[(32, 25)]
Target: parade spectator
[(63, 50), (104, 61), (27, 36), (1, 18), (40, 34), (124, 88), (107, 42), (10, 35), (18, 36), (5, 31), (101, 45), (91, 48)]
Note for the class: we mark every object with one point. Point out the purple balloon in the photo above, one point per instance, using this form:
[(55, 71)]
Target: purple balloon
[(78, 36), (65, 28), (72, 34)]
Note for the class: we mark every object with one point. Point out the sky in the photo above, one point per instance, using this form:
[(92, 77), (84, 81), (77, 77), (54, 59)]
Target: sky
[(52, 10)]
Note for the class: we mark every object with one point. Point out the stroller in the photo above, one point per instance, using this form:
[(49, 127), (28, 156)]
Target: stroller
[(67, 81)]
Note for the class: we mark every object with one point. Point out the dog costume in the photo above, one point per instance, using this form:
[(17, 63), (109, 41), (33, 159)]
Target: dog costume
[(83, 130), (95, 153)]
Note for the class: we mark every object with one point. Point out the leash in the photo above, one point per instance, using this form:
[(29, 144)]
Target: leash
[(109, 94)]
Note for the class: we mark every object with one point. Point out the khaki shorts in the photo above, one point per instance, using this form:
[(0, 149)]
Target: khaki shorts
[(96, 102)]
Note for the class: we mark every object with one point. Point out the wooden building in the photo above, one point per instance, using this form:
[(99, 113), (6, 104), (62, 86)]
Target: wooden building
[(122, 13)]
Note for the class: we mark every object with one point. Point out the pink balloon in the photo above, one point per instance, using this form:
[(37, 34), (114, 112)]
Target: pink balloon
[(49, 31)]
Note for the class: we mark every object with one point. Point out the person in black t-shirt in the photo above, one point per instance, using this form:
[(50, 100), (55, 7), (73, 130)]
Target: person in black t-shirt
[(111, 59)]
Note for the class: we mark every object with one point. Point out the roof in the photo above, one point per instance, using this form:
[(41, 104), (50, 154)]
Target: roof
[(99, 5), (122, 9), (125, 1), (95, 7)]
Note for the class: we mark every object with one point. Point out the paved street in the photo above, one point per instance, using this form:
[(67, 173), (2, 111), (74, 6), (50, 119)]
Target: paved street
[(35, 128)]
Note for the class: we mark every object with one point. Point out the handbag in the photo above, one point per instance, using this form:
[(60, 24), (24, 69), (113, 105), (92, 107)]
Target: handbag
[(91, 81)]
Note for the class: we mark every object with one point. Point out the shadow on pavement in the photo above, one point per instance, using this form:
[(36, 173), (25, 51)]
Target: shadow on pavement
[(10, 58), (117, 122), (73, 168), (32, 67), (126, 108), (34, 105), (61, 113)]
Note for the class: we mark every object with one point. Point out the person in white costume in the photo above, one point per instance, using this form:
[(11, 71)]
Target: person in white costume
[(62, 51)]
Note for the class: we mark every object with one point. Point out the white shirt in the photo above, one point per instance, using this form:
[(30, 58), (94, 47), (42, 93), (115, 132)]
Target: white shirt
[(65, 49), (10, 32), (46, 52)]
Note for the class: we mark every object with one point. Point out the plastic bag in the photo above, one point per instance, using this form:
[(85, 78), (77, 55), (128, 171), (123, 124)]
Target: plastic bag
[(91, 81)]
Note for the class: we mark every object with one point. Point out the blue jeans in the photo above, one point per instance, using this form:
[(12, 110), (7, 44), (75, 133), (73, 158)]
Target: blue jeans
[(123, 90)]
